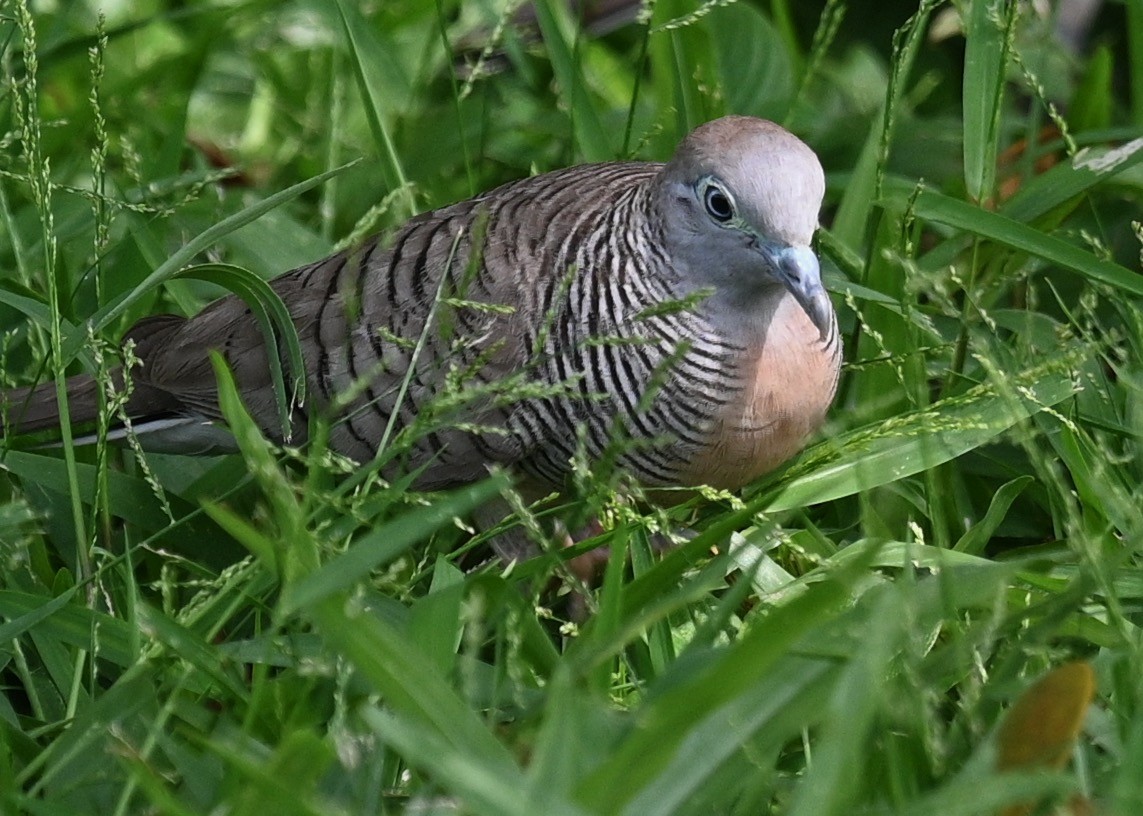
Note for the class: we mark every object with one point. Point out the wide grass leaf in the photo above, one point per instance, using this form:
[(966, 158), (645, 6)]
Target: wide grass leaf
[(917, 441), (767, 714), (379, 79), (130, 498), (663, 725), (61, 619), (561, 39), (941, 209), (200, 243), (485, 788), (986, 52), (396, 667), (386, 542)]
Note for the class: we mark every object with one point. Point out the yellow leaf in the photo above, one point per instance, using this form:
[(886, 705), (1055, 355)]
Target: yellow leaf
[(1042, 725)]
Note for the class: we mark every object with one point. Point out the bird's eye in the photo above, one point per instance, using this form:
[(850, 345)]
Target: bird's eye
[(718, 204)]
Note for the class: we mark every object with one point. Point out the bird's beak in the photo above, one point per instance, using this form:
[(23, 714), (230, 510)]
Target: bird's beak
[(798, 269)]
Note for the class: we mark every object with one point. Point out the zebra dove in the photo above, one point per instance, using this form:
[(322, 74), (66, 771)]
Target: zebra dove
[(669, 315)]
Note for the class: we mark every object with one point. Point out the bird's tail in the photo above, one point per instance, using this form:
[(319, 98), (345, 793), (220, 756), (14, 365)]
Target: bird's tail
[(32, 409), (27, 410)]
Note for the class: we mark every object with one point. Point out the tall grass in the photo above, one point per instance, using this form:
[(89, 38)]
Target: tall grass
[(934, 610)]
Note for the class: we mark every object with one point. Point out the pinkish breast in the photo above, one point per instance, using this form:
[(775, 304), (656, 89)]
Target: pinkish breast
[(788, 382)]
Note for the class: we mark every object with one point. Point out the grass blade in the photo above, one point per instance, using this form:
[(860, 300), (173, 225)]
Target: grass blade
[(933, 206), (561, 39), (986, 51)]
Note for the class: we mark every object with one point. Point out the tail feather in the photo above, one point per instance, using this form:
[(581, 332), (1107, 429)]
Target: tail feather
[(28, 410)]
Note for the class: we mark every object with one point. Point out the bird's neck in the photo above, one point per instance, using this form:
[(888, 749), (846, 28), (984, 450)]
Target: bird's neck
[(741, 316)]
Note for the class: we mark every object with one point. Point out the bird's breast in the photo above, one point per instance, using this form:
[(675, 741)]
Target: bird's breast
[(786, 381)]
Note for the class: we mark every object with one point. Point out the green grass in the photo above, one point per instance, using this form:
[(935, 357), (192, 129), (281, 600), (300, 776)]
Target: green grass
[(287, 633)]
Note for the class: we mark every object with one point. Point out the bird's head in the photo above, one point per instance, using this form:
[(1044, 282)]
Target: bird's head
[(740, 201)]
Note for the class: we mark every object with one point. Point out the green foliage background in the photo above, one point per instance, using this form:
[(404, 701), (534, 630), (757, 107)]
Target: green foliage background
[(235, 634)]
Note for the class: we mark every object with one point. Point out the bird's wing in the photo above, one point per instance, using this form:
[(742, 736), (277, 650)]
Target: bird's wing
[(426, 335), (429, 327)]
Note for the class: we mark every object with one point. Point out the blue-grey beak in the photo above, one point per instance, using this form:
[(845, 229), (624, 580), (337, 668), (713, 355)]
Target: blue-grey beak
[(797, 267)]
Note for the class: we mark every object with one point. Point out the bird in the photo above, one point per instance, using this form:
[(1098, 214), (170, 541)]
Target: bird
[(667, 317)]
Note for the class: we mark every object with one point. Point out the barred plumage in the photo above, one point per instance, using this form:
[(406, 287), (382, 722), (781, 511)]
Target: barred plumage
[(589, 260)]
